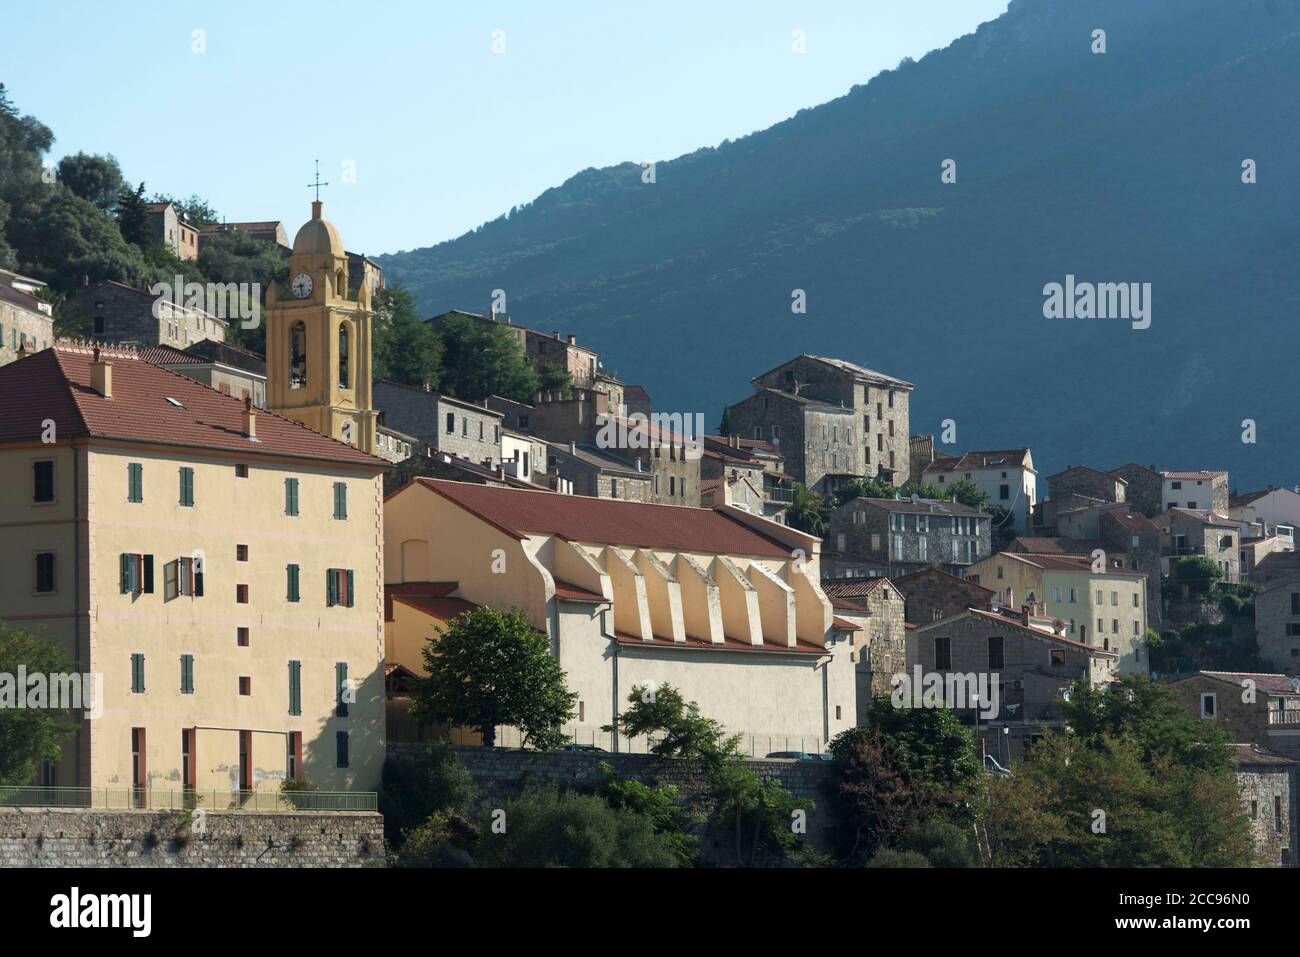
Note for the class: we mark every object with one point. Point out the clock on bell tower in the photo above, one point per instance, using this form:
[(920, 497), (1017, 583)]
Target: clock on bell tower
[(318, 340)]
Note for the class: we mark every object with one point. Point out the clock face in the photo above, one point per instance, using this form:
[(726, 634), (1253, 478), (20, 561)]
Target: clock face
[(302, 285)]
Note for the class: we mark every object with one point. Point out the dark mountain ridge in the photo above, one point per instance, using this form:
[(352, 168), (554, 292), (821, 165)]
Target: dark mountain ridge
[(1115, 167)]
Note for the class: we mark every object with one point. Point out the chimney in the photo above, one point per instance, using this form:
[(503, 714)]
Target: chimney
[(573, 340), (1025, 611), (250, 420), (101, 375), (556, 333), (573, 447)]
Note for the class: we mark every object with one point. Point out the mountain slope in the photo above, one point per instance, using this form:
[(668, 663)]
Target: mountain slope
[(1121, 167)]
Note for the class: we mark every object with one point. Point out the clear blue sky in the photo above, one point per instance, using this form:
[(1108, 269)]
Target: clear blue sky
[(444, 133)]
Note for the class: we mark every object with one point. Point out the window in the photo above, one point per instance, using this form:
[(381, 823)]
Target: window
[(298, 356), (187, 674), (923, 546), (341, 749), (295, 687), (338, 587), (189, 577), (294, 756), (187, 486), (241, 636), (43, 573), (672, 485), (189, 777), (1056, 593), (340, 500), (942, 653), (241, 470), (343, 357), (241, 553), (451, 423), (135, 574), (135, 482), (1209, 705), (138, 772), (995, 652), (341, 690), (137, 673), (43, 481), (291, 496), (1277, 814), (1137, 600), (1057, 656), (241, 594), (291, 592), (245, 685), (1295, 603), (1114, 599), (1114, 626), (1004, 492)]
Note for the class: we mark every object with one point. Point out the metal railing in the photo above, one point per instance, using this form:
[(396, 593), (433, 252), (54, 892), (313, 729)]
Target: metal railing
[(1284, 716), (175, 799)]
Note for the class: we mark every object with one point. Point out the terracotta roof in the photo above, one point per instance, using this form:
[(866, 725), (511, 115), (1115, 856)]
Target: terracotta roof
[(808, 401), (1068, 563), (1133, 521), (20, 299), (163, 355), (636, 393), (858, 587), (571, 592), (55, 384), (1036, 545), (920, 444), (1252, 755), (580, 518), (843, 624), (1087, 468), (1196, 474), (1267, 682), (221, 227), (845, 366), (1207, 517), (432, 598), (1006, 458), (1245, 498), (931, 572), (727, 644), (1036, 632)]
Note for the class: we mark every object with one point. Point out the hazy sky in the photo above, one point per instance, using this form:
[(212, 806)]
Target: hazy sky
[(443, 133)]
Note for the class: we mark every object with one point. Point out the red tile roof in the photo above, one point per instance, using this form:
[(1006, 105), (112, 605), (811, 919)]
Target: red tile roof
[(932, 572), (579, 518), (164, 355), (432, 598), (55, 384), (858, 587), (1068, 563), (1005, 458), (1268, 683), (1133, 521), (571, 592), (1036, 632)]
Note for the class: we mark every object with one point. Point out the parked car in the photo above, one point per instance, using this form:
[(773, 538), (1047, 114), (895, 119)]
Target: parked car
[(579, 747), (803, 755)]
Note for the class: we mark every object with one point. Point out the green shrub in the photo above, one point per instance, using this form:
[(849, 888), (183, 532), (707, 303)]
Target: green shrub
[(889, 857), (417, 786)]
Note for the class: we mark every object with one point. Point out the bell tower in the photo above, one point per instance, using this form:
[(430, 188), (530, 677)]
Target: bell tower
[(318, 340)]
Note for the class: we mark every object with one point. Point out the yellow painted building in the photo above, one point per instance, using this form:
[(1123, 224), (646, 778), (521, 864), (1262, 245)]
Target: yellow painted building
[(318, 348), (1103, 609), (218, 566), (725, 606)]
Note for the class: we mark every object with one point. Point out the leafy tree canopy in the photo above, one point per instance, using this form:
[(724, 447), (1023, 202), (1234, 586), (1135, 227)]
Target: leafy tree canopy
[(31, 735)]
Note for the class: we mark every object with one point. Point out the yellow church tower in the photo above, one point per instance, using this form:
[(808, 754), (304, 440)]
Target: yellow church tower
[(318, 340)]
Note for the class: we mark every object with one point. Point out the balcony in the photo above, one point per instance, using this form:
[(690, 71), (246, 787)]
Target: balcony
[(1278, 717), (1178, 551)]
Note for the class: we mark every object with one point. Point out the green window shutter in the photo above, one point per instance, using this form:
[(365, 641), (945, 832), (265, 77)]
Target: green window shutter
[(135, 482), (187, 674), (295, 687), (340, 685), (291, 496), (137, 673), (330, 593), (349, 601), (292, 575), (124, 572), (340, 500), (187, 485)]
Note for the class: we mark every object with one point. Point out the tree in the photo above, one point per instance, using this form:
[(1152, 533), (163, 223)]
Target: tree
[(235, 256), (759, 812), (864, 488), (96, 179), (548, 828), (873, 797), (923, 490), (196, 209), (65, 239), (808, 511), (132, 218), (489, 668), (481, 361), (662, 805), (724, 425), (932, 748), (968, 493), (30, 735), (405, 348), (1198, 574), (553, 377), (417, 786)]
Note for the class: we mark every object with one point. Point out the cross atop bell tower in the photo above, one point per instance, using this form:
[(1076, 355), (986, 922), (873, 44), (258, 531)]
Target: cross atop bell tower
[(317, 184)]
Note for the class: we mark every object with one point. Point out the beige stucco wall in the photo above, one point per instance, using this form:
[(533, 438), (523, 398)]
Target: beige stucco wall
[(227, 511)]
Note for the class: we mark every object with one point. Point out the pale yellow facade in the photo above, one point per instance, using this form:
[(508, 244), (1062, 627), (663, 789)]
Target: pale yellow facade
[(748, 638), (318, 341), (237, 533), (1106, 610)]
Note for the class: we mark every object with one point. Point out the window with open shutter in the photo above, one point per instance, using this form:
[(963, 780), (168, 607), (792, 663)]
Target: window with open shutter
[(350, 588), (341, 686)]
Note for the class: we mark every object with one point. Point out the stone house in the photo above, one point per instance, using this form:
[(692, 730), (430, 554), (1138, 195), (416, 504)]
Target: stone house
[(394, 446), (587, 470), (540, 349), (524, 457), (732, 459), (118, 313), (218, 365), (1145, 489), (463, 429), (906, 535), (1007, 477), (170, 228), (26, 323), (932, 594), (1206, 490), (1106, 608), (1273, 505), (1267, 783), (873, 609), (1087, 481), (1188, 533), (1262, 709), (1024, 658), (833, 420), (920, 453), (1277, 622), (269, 231)]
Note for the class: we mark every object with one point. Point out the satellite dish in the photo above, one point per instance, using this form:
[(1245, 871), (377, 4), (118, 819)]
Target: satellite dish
[(915, 498), (1065, 695)]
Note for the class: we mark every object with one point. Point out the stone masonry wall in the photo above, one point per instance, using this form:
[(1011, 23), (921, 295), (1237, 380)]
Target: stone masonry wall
[(80, 837)]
